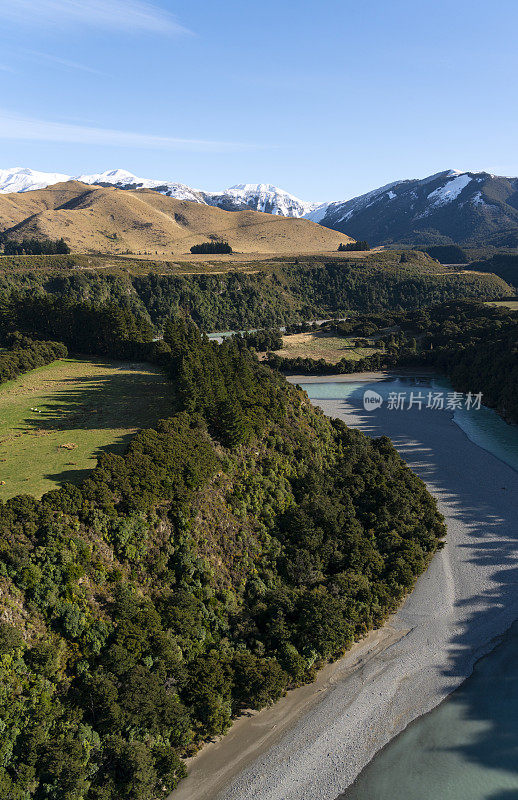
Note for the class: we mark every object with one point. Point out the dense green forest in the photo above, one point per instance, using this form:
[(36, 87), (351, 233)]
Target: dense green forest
[(285, 293), (106, 330), (232, 550), (22, 354), (503, 264), (262, 340), (475, 345), (211, 248), (34, 247), (362, 245), (447, 253)]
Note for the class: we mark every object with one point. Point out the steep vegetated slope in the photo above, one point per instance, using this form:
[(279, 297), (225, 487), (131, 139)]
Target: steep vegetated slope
[(274, 293), (230, 552), (503, 264), (108, 220), (22, 354)]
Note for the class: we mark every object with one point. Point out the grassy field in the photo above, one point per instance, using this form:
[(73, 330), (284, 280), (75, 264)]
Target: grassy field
[(188, 264), (329, 346), (512, 304), (83, 408)]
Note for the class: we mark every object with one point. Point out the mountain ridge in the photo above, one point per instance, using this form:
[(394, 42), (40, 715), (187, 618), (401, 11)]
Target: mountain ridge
[(452, 206), (263, 197), (449, 207)]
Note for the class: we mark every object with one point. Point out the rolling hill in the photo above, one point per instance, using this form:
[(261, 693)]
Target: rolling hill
[(110, 220)]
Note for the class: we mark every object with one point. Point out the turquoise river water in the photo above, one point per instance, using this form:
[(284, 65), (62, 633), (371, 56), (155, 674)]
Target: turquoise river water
[(467, 748)]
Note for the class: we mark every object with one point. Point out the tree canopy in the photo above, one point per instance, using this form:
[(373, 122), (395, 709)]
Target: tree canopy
[(228, 554)]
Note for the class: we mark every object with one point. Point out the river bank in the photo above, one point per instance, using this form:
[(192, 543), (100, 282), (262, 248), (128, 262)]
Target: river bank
[(465, 599)]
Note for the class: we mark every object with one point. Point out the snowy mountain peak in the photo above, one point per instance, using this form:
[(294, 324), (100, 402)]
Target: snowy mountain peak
[(270, 199), (248, 188), (122, 179), (450, 206), (260, 188), (21, 179), (113, 176), (255, 196)]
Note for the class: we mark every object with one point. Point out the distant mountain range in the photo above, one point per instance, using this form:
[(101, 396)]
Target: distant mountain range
[(469, 208), (242, 197)]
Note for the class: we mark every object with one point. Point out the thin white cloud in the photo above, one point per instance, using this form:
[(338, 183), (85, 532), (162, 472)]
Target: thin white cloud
[(128, 15), (18, 127), (65, 62)]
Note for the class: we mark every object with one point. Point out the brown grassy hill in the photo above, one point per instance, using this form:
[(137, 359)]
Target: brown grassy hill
[(107, 220), (18, 206)]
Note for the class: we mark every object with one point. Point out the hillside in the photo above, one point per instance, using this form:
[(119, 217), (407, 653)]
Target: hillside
[(229, 553), (503, 264), (17, 208), (471, 208), (239, 294), (108, 220)]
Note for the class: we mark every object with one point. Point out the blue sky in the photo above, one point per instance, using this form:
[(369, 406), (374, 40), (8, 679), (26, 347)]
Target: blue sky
[(326, 100)]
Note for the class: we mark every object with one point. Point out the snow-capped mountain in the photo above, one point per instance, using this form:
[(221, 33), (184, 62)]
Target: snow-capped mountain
[(19, 179), (122, 179), (253, 196), (452, 206), (263, 197)]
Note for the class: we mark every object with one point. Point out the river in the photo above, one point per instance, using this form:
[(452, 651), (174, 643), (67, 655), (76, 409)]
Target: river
[(466, 748)]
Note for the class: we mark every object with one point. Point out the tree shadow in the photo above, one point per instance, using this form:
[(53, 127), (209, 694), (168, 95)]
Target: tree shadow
[(480, 494), (130, 396)]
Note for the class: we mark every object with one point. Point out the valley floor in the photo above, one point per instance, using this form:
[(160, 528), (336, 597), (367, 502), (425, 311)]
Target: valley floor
[(323, 344), (316, 740)]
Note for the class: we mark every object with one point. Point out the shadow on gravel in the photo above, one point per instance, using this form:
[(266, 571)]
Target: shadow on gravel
[(467, 748)]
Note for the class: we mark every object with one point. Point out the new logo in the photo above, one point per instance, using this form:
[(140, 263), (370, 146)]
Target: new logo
[(371, 400)]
